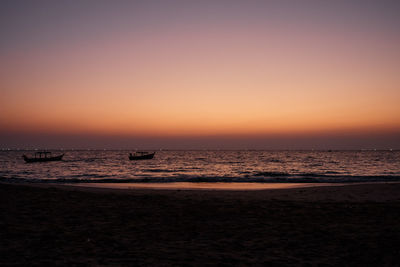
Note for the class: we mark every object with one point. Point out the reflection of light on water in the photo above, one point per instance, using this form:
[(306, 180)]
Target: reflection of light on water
[(202, 167), (203, 186)]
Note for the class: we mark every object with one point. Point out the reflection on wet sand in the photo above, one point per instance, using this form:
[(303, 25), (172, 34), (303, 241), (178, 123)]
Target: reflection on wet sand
[(203, 186)]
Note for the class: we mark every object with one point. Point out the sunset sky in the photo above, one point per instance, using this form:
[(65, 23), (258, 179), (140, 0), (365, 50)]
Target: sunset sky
[(200, 74)]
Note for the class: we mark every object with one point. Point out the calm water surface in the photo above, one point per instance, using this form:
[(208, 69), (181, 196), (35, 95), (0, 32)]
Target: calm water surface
[(206, 166)]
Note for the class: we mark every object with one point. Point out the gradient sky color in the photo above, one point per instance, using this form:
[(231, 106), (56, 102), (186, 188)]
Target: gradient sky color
[(200, 74)]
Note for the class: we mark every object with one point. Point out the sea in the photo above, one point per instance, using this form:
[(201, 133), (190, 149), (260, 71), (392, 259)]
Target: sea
[(210, 166)]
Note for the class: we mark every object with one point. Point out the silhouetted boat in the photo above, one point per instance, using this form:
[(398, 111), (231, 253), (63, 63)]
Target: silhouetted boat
[(42, 156), (139, 155)]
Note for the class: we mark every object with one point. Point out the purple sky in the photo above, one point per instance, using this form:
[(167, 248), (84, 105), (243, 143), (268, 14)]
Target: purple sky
[(200, 74)]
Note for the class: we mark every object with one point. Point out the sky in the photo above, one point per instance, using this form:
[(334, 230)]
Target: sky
[(200, 74)]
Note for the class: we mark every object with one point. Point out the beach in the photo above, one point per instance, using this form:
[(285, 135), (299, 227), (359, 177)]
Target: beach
[(350, 225), (200, 133)]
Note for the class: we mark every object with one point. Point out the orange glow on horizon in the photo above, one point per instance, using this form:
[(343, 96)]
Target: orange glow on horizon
[(226, 77)]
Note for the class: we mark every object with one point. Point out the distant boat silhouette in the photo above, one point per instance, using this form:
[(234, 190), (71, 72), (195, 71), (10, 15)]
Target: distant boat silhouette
[(42, 156), (139, 155)]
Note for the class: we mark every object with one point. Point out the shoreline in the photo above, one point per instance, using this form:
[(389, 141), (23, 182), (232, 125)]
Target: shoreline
[(214, 186), (331, 192)]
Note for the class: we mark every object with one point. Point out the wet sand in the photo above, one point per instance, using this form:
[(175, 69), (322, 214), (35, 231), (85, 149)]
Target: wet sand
[(203, 186), (67, 225)]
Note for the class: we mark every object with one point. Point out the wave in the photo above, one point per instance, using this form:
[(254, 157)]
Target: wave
[(271, 174), (86, 160), (278, 178), (274, 160), (167, 170), (158, 170), (89, 176)]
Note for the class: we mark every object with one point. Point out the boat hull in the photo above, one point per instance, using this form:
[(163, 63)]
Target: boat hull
[(30, 160), (142, 157)]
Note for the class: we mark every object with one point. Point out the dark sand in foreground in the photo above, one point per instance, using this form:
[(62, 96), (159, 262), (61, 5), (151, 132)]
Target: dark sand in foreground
[(356, 225)]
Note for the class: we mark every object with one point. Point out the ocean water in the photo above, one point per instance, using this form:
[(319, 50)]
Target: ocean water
[(101, 166)]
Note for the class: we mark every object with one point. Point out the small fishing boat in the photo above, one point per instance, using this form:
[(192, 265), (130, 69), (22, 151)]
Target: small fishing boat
[(139, 155), (42, 156)]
